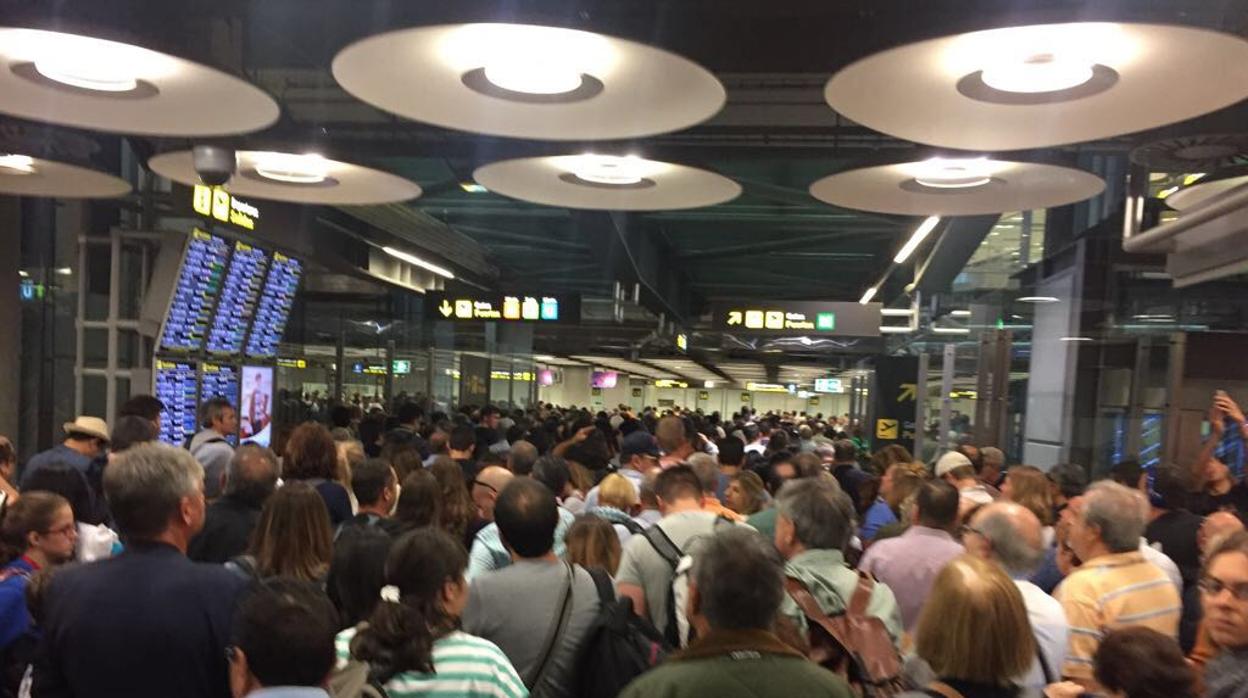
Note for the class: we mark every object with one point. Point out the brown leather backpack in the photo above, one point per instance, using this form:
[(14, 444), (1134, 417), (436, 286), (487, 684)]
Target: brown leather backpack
[(852, 644)]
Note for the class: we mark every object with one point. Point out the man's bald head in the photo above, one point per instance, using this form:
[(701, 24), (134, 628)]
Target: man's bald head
[(1216, 528), (252, 475), (486, 486), (1013, 534)]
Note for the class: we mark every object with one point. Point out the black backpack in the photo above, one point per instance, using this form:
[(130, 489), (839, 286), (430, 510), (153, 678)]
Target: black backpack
[(618, 647)]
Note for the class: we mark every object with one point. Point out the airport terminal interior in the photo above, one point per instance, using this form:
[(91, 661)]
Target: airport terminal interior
[(941, 225)]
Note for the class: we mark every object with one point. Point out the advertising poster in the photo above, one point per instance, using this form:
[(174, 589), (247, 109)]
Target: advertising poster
[(255, 414)]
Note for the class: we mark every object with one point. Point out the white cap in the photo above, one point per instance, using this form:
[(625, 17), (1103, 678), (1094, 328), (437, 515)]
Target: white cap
[(949, 461)]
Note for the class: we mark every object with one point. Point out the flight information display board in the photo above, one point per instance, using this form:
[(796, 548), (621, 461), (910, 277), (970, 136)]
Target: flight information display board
[(239, 298), (196, 292), (275, 303), (219, 380), (176, 388)]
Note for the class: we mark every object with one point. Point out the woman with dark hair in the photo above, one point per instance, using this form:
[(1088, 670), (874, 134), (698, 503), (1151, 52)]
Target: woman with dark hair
[(37, 533), (458, 515), (95, 540), (311, 457), (420, 501), (412, 642), (357, 573), (293, 537), (746, 494), (130, 431)]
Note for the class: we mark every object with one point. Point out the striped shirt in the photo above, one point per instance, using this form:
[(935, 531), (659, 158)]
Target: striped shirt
[(1113, 591), (465, 666)]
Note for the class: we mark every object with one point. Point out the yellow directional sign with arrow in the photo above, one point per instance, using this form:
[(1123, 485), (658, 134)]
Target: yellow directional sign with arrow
[(446, 308), (907, 393)]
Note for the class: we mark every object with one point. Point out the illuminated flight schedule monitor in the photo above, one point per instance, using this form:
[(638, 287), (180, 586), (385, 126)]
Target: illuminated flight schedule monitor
[(219, 380), (176, 388), (240, 296), (195, 295), (275, 303)]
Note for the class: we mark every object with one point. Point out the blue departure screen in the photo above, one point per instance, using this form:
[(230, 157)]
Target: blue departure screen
[(175, 387), (239, 298), (275, 303), (199, 284)]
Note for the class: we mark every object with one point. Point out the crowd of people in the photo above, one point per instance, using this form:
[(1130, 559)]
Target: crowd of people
[(561, 552)]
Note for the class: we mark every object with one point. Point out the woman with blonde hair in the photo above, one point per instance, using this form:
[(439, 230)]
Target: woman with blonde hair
[(746, 494), (1028, 486), (900, 481), (974, 632), (617, 502), (293, 537)]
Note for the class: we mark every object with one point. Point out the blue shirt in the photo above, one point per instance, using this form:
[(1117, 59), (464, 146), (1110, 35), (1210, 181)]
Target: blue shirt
[(877, 517), (57, 455), (14, 618), (488, 552)]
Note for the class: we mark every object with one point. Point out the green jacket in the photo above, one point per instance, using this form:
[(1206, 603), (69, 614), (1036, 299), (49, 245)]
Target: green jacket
[(738, 664), (764, 522), (832, 583)]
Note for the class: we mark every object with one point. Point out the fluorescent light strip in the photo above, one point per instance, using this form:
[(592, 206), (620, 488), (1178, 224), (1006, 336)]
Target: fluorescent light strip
[(896, 312), (412, 259), (959, 313), (895, 329), (1076, 339), (1038, 299), (950, 330), (916, 238), (868, 295)]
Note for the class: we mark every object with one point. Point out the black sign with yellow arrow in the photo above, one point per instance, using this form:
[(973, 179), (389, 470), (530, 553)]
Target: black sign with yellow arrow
[(894, 401), (536, 308)]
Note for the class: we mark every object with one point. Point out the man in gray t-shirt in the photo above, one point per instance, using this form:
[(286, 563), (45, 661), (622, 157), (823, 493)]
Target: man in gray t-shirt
[(644, 576), (519, 606)]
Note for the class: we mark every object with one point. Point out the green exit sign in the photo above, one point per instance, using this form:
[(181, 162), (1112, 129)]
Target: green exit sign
[(825, 322)]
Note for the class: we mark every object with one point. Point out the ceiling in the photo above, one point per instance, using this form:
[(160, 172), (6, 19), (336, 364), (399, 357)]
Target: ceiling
[(775, 136)]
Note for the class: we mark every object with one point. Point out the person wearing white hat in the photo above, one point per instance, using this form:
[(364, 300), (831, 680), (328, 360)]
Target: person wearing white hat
[(956, 469), (86, 438)]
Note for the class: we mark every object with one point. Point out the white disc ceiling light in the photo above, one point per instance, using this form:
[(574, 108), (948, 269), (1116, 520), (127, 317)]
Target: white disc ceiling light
[(956, 187), (528, 81), (606, 182), (1042, 85), (305, 178), (23, 175), (103, 85), (1206, 188)]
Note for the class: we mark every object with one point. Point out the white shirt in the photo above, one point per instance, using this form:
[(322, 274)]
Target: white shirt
[(1163, 563), (1049, 625), (756, 447)]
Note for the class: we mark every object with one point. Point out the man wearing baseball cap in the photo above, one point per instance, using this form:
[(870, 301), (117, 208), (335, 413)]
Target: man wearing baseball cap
[(86, 438), (639, 453), (956, 469)]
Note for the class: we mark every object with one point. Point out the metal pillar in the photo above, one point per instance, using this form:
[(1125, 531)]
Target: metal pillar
[(948, 363), (920, 406), (340, 365)]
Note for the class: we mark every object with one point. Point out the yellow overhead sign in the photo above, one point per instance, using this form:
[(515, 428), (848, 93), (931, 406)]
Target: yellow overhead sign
[(669, 383), (541, 308), (886, 428), (776, 319), (217, 203)]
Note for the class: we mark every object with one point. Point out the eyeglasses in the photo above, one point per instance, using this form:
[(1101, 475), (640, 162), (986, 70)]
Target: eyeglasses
[(66, 530), (486, 485), (1212, 586)]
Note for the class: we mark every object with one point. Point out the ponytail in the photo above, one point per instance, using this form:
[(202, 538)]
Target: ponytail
[(400, 634), (33, 511)]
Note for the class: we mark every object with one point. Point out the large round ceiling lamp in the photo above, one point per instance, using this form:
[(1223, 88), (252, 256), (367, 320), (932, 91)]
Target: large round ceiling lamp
[(305, 178), (1042, 85), (1207, 187), (528, 81), (24, 175), (956, 187), (109, 86), (606, 182)]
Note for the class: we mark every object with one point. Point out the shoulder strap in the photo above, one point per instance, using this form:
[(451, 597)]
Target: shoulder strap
[(1045, 669), (862, 595), (556, 630), (632, 526), (805, 601), (663, 545), (606, 590)]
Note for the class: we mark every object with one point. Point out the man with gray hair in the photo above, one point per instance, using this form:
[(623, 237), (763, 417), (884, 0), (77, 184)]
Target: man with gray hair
[(211, 447), (735, 589), (814, 523), (1115, 586), (991, 463), (251, 478), (1011, 536), (521, 457), (148, 622)]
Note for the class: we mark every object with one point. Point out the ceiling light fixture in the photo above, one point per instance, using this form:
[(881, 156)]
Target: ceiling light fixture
[(953, 173), (289, 168), (895, 329), (960, 313), (1038, 299), (1076, 339), (868, 295), (23, 273), (896, 312), (1038, 72), (89, 63), (472, 188), (64, 271), (950, 330), (612, 170), (17, 164), (916, 238), (412, 259), (530, 59)]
